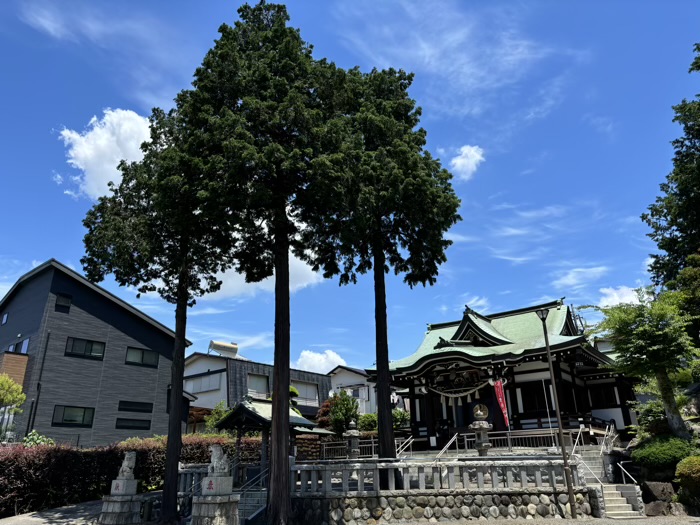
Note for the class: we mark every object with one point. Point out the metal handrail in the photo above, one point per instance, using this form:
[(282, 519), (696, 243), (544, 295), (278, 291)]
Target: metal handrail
[(403, 446), (580, 429), (605, 438), (624, 471), (446, 447), (589, 470), (253, 483)]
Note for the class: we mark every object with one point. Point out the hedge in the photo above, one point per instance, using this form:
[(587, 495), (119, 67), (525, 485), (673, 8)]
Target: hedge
[(45, 476), (662, 453), (688, 475)]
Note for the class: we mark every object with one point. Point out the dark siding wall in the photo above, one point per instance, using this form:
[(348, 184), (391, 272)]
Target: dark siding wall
[(75, 381), (238, 379)]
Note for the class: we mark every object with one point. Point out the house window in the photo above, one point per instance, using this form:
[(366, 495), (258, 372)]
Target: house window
[(258, 386), (19, 348), (208, 383), (67, 416), (133, 424), (135, 406), (308, 393), (63, 302), (4, 318), (138, 356), (85, 348)]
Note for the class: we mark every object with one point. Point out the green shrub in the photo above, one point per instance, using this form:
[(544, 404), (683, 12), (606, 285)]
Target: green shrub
[(683, 378), (34, 439), (688, 474), (695, 371), (344, 408), (401, 418), (662, 453), (367, 422)]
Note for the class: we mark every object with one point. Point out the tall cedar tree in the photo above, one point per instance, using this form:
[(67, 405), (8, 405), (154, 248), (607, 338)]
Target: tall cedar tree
[(675, 216), (260, 96), (164, 228), (652, 341), (391, 205)]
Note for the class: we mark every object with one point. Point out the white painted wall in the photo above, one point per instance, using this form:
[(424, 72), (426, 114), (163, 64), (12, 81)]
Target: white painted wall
[(205, 363), (607, 414), (346, 379)]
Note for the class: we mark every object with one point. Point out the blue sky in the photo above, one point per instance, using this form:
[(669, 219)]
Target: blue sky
[(554, 117)]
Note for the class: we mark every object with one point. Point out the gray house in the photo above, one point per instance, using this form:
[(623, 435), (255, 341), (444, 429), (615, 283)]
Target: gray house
[(213, 377), (95, 369)]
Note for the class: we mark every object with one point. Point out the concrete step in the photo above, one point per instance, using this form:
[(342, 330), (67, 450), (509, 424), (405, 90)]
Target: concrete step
[(618, 507), (624, 515), (612, 500)]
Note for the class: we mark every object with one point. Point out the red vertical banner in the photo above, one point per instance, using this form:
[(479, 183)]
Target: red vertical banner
[(498, 387)]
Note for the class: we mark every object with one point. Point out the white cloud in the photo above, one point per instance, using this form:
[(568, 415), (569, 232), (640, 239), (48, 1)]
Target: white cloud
[(602, 124), (234, 286), (465, 164), (58, 179), (97, 150), (509, 231), (645, 265), (474, 57), (258, 341), (619, 295), (458, 237), (579, 277), (475, 302), (543, 213), (320, 362), (150, 60)]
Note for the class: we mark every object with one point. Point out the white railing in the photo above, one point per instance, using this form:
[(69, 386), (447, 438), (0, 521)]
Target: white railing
[(369, 448), (468, 473), (624, 471), (519, 439), (453, 439), (406, 444), (578, 436), (608, 438)]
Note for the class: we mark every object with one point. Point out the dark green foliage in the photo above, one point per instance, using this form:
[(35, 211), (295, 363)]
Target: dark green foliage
[(675, 216), (392, 203), (401, 418), (219, 412), (344, 409), (651, 418), (688, 476), (662, 452), (367, 422)]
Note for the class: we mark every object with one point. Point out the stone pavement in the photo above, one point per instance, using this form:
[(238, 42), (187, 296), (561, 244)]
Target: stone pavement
[(80, 514)]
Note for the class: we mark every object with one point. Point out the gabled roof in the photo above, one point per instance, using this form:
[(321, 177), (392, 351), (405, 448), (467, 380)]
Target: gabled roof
[(358, 371), (53, 263), (258, 414), (501, 337)]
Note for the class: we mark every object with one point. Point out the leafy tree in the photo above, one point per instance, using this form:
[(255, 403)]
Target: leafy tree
[(675, 216), (651, 340), (219, 412), (688, 282), (344, 408), (164, 228), (11, 394), (367, 422), (263, 102), (391, 205)]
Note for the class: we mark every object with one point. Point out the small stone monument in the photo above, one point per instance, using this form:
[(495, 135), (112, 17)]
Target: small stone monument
[(353, 437), (217, 505), (481, 429), (123, 505)]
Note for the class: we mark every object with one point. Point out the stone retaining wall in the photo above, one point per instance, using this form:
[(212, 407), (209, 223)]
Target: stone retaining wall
[(455, 505)]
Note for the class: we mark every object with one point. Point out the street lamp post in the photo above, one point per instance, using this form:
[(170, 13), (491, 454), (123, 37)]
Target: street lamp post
[(542, 314)]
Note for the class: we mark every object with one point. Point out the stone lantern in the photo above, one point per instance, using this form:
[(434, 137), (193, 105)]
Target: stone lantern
[(353, 437), (481, 429)]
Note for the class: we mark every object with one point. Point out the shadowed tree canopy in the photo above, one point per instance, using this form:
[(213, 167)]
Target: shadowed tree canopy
[(391, 204), (651, 341), (165, 228), (675, 216), (263, 102)]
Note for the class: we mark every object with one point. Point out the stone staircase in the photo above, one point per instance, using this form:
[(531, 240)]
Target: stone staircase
[(617, 505), (251, 501)]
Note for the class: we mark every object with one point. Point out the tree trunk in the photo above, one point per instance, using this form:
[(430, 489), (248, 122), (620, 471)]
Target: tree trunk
[(673, 416), (385, 422), (172, 455), (279, 502)]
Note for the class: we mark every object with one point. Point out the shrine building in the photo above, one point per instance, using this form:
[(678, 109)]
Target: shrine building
[(458, 363)]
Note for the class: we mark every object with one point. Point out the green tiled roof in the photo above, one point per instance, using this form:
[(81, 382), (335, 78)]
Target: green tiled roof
[(260, 412), (522, 328)]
